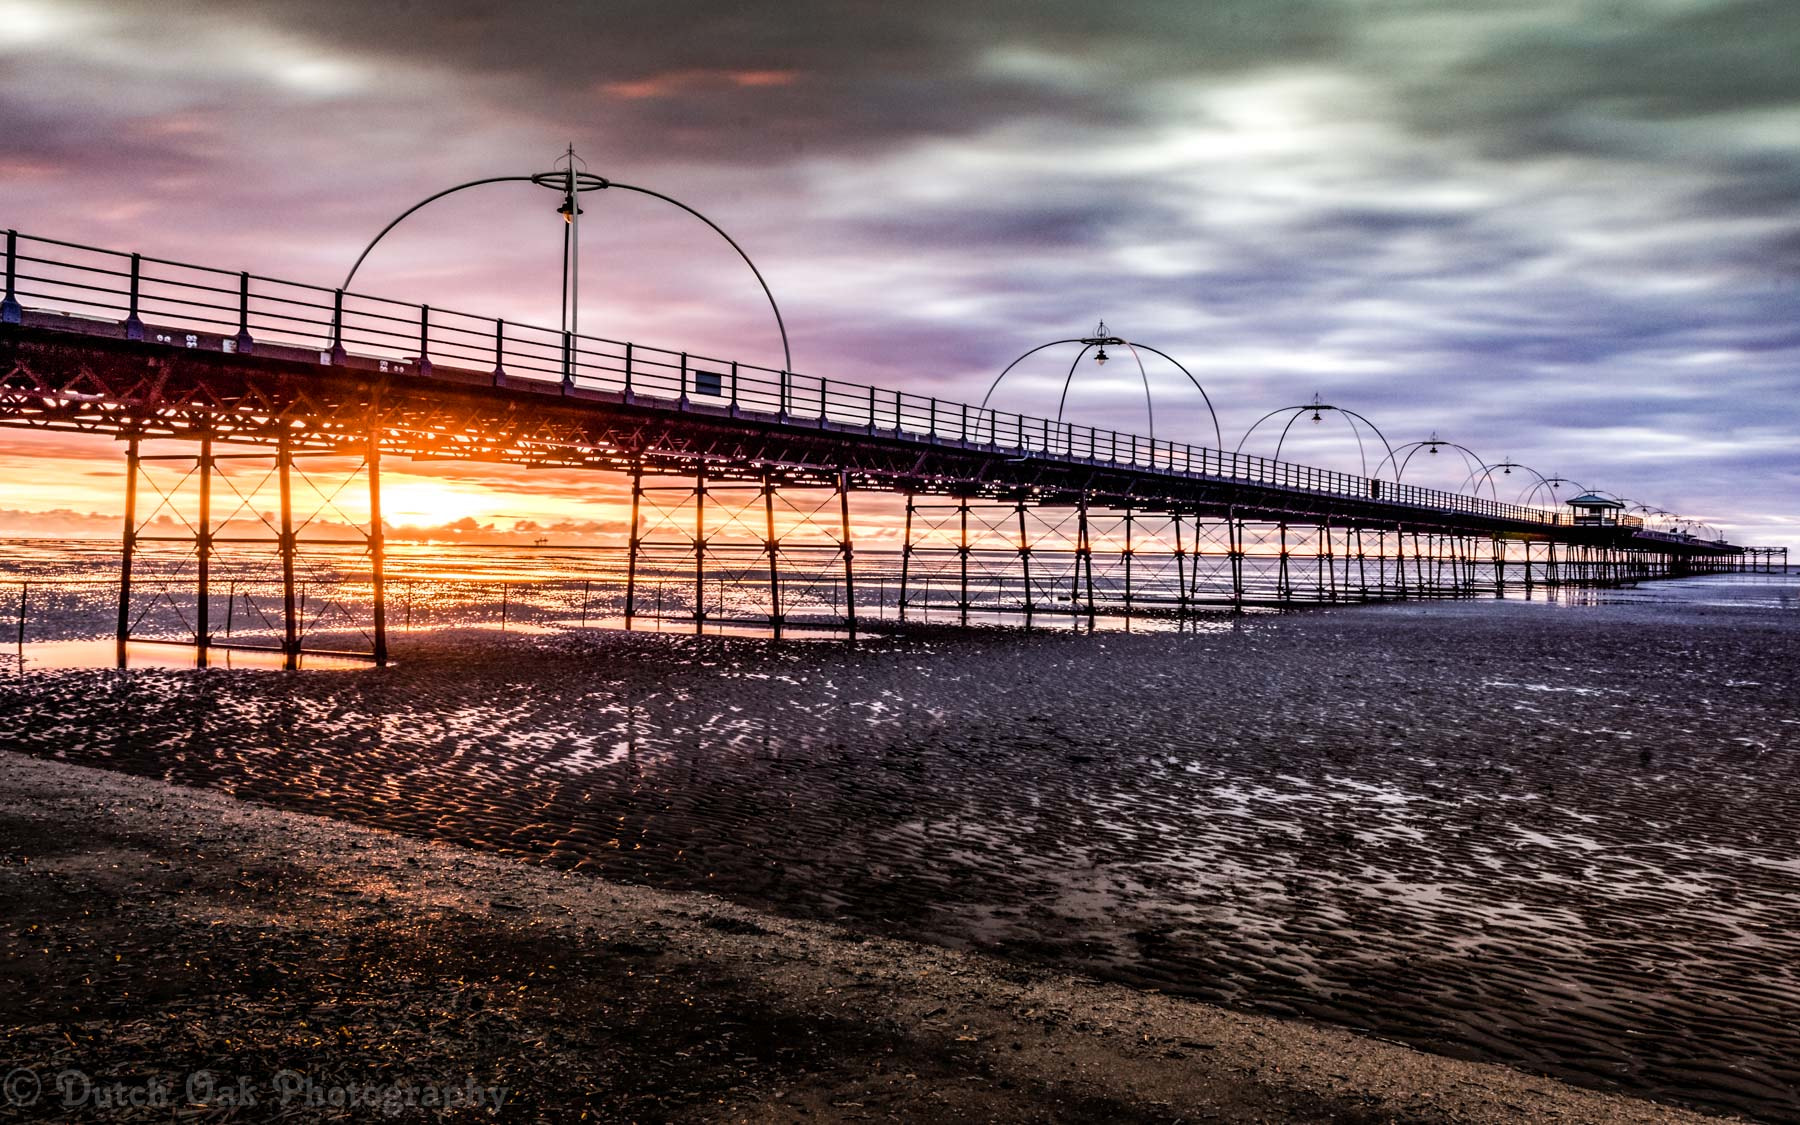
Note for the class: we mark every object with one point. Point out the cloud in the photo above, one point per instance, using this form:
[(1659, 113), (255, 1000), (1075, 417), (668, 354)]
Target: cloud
[(1565, 230)]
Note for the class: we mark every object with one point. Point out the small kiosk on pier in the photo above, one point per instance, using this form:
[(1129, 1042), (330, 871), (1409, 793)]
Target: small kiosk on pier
[(1594, 510)]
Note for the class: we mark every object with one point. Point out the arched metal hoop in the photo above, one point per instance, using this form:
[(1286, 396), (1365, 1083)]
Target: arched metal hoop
[(1315, 407), (1087, 345), (588, 181), (1549, 484), (1485, 475), (1471, 460)]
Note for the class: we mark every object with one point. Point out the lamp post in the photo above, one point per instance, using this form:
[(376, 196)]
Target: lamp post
[(570, 181)]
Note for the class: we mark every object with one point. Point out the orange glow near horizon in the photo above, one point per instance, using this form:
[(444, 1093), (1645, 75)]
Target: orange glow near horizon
[(73, 486)]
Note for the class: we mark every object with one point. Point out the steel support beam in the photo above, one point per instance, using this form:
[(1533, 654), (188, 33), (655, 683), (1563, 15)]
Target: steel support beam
[(128, 548), (699, 547), (773, 547), (849, 549), (906, 553), (203, 545), (635, 541), (377, 546), (290, 628)]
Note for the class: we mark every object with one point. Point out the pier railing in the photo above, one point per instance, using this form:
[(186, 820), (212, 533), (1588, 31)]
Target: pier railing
[(182, 304)]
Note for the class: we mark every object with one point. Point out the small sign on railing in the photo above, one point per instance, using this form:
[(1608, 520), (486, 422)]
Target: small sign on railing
[(709, 383)]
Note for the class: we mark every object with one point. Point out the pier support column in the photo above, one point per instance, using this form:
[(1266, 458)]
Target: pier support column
[(773, 547), (962, 560), (127, 548), (1234, 532), (699, 547), (1284, 584), (849, 549), (1181, 585), (1084, 555), (290, 624), (203, 545), (1327, 565), (1345, 584), (1399, 562), (906, 553), (1381, 563), (1025, 563), (637, 498), (1129, 547), (377, 547), (1362, 567)]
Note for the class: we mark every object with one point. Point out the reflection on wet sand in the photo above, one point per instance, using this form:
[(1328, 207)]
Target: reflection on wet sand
[(1560, 837), (52, 656)]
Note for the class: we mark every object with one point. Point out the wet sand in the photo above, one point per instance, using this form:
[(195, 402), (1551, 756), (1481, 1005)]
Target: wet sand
[(1562, 838), (159, 932)]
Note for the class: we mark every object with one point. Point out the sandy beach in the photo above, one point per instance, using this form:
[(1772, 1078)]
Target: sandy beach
[(1557, 837), (161, 932)]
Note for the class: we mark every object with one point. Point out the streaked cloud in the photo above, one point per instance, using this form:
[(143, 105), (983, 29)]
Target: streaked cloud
[(1567, 231)]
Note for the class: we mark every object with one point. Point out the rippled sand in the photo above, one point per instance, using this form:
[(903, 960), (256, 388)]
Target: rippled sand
[(1561, 837)]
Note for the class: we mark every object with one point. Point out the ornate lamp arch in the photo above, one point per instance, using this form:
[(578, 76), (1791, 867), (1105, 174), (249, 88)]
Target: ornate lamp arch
[(1317, 409), (1102, 340), (572, 182), (1551, 484), (1471, 460), (1485, 475)]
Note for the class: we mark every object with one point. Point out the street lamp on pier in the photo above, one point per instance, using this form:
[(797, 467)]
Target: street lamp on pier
[(1097, 343), (1317, 409), (570, 179)]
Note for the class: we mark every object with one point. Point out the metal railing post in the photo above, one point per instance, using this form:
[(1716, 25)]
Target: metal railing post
[(568, 371), (10, 312), (134, 328), (244, 343), (337, 327), (424, 339), (628, 370), (499, 350)]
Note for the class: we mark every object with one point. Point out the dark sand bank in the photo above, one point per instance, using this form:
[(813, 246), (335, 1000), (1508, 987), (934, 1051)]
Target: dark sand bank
[(1561, 838), (155, 932)]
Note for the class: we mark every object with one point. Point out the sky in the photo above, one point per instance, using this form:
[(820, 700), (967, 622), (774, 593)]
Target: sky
[(1560, 232)]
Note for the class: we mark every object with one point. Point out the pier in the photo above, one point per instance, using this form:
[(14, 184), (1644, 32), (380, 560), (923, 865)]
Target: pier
[(212, 372)]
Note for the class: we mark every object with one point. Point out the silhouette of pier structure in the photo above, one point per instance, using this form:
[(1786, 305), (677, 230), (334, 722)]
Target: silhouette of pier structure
[(740, 475)]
